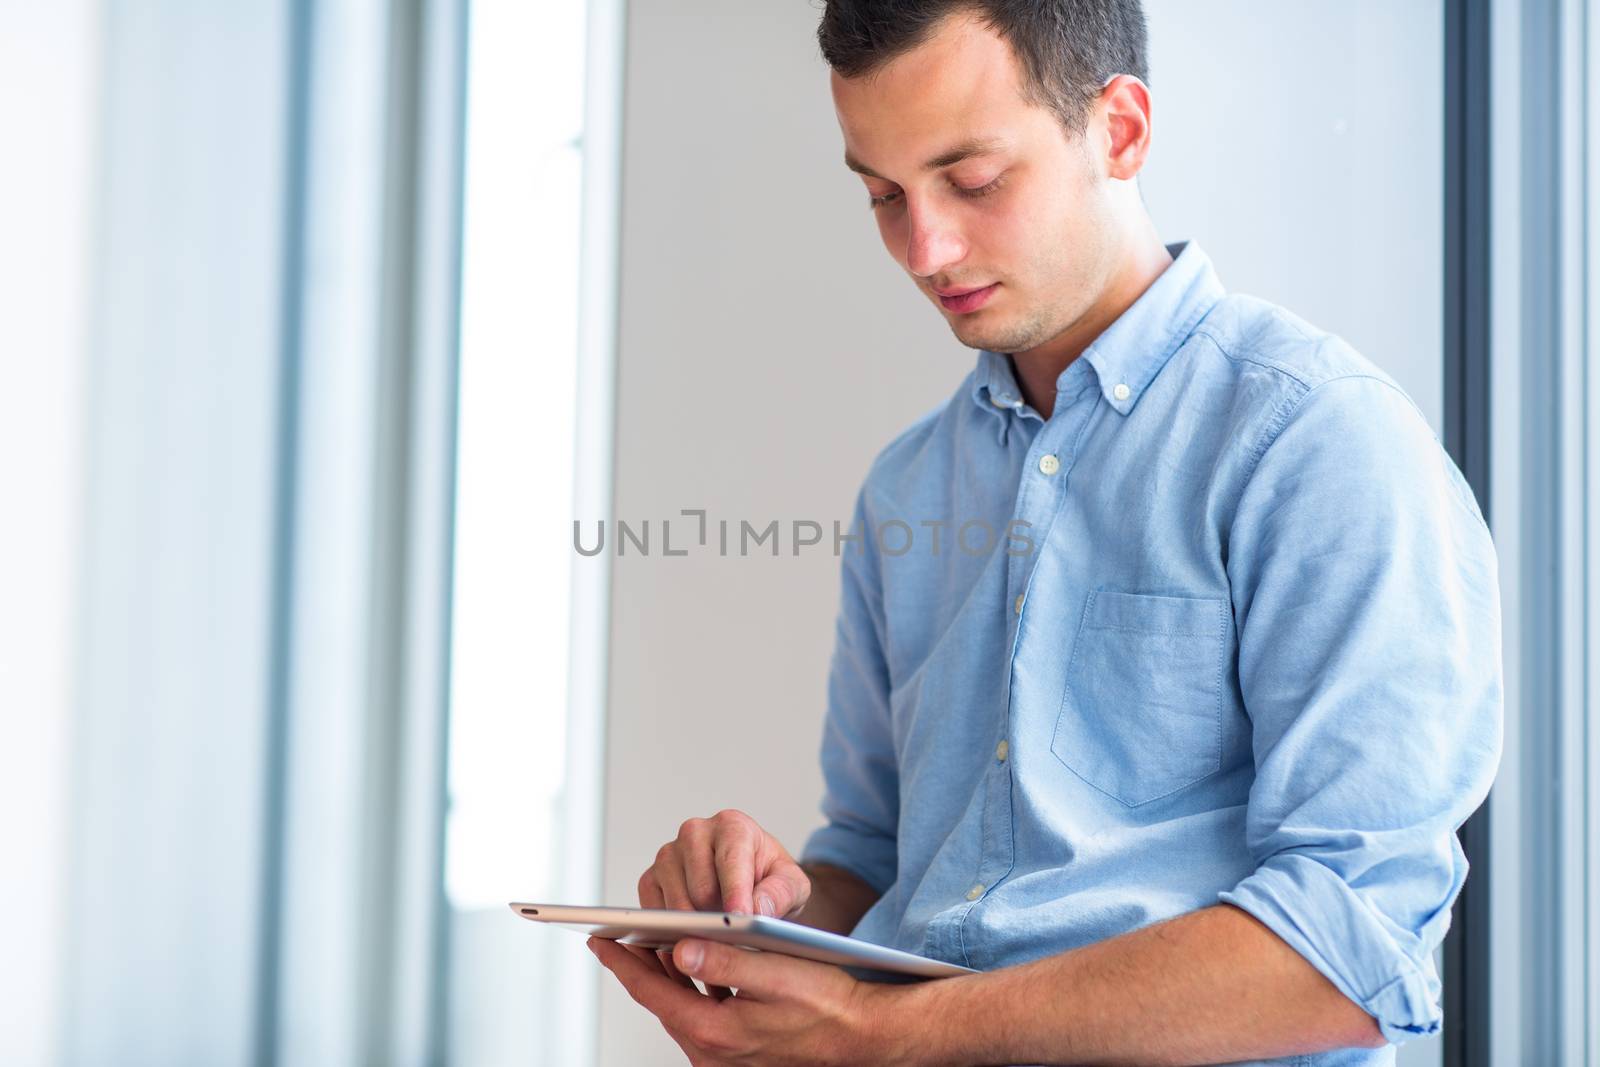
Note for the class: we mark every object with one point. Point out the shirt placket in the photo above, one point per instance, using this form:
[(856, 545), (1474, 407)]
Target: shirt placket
[(1041, 490)]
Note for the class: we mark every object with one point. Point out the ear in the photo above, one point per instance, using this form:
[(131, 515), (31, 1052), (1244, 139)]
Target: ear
[(1124, 106)]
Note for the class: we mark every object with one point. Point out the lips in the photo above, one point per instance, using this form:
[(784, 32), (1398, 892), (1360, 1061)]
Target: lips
[(964, 300)]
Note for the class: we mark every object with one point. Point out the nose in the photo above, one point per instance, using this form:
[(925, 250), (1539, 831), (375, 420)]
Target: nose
[(935, 241)]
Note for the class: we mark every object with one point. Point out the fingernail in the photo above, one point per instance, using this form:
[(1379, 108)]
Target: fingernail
[(693, 956), (764, 906)]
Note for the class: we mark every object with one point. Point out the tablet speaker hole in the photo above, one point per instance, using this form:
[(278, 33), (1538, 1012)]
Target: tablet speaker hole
[(726, 921)]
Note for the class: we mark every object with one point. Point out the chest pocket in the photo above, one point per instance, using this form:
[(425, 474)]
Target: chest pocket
[(1141, 714)]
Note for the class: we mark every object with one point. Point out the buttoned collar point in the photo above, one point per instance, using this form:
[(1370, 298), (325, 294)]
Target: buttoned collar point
[(1131, 352), (995, 389)]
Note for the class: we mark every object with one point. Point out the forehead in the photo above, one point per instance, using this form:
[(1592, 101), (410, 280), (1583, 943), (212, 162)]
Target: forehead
[(963, 83)]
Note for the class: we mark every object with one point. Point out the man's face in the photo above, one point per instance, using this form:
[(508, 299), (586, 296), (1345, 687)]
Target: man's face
[(1027, 214)]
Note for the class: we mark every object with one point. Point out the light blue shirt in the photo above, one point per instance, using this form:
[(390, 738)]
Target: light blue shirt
[(1224, 628)]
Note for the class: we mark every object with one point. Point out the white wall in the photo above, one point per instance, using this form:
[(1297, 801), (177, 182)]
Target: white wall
[(1303, 146), (769, 346)]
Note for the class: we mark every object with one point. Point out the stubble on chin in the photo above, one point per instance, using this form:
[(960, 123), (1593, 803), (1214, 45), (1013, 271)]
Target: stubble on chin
[(1001, 337)]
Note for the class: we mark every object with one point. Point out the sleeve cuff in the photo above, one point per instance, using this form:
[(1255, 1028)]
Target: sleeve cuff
[(1323, 919), (870, 857)]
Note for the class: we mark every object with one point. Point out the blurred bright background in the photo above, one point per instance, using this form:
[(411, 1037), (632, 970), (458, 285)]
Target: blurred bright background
[(294, 406), (325, 320)]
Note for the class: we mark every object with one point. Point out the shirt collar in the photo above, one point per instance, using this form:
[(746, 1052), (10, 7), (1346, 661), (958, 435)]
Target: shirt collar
[(1128, 355)]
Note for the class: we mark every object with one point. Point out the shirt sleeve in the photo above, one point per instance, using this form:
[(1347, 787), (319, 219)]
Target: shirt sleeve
[(861, 799), (1366, 600)]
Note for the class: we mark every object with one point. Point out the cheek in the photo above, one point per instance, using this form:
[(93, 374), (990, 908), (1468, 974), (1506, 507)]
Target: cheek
[(1010, 242), (1012, 234)]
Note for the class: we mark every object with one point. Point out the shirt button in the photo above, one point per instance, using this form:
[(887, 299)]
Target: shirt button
[(1049, 464), (1001, 750), (1017, 604), (1121, 391), (975, 892), (1000, 400)]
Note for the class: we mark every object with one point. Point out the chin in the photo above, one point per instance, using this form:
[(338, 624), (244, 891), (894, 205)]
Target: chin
[(971, 338), (969, 330), (992, 338)]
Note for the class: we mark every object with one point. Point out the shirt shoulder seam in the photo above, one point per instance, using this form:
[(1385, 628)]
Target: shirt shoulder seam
[(1268, 364), (1293, 403)]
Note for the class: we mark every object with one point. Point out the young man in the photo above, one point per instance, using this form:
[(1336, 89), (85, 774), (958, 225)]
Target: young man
[(1183, 777)]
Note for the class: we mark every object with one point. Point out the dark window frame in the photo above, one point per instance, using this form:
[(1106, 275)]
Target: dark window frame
[(1467, 294)]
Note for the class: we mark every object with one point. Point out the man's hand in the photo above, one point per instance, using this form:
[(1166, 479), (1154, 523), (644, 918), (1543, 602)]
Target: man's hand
[(786, 1011), (724, 863)]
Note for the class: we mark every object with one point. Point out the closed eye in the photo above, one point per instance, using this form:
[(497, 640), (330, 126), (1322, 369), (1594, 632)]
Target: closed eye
[(983, 190), (874, 202)]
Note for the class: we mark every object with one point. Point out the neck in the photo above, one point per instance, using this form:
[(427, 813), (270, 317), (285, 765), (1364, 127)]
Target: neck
[(1038, 368)]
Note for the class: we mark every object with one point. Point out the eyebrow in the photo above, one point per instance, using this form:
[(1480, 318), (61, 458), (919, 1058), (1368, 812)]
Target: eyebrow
[(976, 146)]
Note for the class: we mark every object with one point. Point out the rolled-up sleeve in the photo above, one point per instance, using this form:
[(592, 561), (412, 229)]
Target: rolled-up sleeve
[(1366, 600), (861, 798)]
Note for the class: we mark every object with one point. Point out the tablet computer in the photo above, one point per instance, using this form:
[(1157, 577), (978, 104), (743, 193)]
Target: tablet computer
[(662, 927)]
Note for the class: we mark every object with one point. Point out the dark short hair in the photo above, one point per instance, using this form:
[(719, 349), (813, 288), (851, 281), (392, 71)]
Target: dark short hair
[(1068, 49)]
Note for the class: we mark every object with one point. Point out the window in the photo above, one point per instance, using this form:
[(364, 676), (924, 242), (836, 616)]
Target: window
[(521, 813)]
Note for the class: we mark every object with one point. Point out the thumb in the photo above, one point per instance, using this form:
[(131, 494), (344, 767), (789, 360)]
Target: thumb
[(756, 975), (783, 890)]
